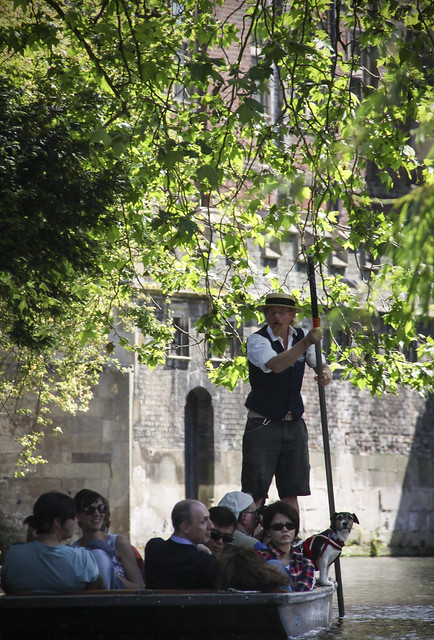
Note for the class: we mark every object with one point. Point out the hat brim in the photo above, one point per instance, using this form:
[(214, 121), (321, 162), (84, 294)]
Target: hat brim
[(279, 304)]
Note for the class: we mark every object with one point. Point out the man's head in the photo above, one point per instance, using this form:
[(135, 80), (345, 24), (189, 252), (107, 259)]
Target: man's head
[(223, 523), (244, 509), (280, 310), (190, 519)]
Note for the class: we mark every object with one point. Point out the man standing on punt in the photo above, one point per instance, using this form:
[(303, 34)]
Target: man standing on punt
[(275, 440)]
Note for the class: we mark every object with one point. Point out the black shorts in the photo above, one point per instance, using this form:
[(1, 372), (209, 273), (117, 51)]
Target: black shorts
[(278, 448)]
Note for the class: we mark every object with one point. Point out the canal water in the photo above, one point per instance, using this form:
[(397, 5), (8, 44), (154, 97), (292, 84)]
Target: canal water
[(385, 599)]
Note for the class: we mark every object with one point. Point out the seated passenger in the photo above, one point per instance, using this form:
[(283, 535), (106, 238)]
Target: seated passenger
[(223, 526), (246, 514), (31, 531), (105, 529), (45, 565), (91, 514), (281, 525), (243, 569), (178, 563)]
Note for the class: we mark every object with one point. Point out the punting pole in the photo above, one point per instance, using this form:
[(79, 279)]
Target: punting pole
[(325, 433)]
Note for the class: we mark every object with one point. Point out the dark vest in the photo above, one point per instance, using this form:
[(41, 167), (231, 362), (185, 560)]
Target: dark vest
[(274, 394)]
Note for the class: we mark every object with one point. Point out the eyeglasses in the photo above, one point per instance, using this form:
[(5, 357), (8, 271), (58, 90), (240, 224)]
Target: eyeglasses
[(89, 511), (216, 535), (278, 526)]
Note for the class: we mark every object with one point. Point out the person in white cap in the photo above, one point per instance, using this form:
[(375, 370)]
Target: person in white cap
[(244, 509), (275, 441)]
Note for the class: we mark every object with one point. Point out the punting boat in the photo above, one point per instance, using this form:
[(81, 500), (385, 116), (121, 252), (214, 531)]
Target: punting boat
[(174, 615)]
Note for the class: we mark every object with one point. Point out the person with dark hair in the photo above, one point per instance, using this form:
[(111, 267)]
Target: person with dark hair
[(46, 565), (92, 515), (180, 562), (275, 441), (281, 524), (31, 530), (243, 569), (223, 523)]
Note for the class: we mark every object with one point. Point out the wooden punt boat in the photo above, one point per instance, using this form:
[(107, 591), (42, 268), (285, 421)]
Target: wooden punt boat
[(164, 615)]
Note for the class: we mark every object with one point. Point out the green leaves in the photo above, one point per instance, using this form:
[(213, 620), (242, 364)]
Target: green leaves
[(208, 177), (162, 148)]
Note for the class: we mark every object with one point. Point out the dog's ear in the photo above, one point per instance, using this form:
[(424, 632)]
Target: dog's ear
[(333, 518), (355, 518)]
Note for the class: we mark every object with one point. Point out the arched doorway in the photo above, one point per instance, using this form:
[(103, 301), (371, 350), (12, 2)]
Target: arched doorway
[(199, 445)]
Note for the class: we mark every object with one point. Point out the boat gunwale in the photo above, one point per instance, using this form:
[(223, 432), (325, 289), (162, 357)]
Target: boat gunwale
[(161, 597)]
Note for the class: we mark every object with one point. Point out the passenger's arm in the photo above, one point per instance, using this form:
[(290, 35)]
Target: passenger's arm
[(97, 584), (126, 555)]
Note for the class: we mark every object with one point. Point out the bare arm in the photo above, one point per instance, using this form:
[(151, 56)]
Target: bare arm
[(98, 584), (125, 554), (286, 359)]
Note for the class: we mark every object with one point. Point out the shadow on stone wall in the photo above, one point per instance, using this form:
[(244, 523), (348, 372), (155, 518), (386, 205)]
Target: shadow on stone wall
[(414, 526)]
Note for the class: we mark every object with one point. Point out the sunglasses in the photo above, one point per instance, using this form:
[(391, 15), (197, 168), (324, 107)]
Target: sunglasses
[(278, 526), (216, 535), (89, 511)]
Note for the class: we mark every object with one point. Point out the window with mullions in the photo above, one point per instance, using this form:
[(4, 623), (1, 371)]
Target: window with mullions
[(265, 92), (180, 347), (361, 62), (180, 92), (271, 254), (235, 343), (409, 351), (342, 338)]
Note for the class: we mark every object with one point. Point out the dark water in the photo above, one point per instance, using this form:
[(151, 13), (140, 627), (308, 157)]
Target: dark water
[(385, 599)]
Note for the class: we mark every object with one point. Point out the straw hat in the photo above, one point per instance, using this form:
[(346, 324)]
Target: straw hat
[(279, 300)]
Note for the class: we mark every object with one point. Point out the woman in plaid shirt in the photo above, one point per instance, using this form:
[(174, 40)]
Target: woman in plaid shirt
[(281, 525)]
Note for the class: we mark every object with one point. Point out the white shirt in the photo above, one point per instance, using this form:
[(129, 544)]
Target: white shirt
[(260, 351), (180, 540)]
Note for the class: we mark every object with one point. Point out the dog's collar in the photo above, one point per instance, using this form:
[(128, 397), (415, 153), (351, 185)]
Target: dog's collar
[(333, 538)]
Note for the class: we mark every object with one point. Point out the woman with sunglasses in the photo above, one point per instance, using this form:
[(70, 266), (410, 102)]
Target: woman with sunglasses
[(281, 524), (92, 513)]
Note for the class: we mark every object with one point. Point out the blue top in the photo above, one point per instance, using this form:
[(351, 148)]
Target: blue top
[(39, 568), (110, 549)]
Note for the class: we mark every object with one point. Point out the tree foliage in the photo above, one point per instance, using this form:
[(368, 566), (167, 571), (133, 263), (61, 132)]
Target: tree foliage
[(170, 101)]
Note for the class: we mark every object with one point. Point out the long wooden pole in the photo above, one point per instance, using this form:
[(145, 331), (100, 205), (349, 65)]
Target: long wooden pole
[(324, 424)]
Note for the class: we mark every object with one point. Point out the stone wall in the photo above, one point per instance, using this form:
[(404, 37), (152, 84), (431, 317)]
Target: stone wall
[(92, 452), (382, 462), (130, 447)]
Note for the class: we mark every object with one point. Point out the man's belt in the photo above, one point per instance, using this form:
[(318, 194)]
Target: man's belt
[(289, 417)]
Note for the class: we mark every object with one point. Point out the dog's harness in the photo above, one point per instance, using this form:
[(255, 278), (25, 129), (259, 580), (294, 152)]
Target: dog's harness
[(316, 545)]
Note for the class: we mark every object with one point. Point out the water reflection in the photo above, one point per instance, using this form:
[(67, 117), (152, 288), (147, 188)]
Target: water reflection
[(385, 599)]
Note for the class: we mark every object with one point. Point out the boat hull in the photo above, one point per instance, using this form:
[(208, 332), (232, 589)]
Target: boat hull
[(164, 615)]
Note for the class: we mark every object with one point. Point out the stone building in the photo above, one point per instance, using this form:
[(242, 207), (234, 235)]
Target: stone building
[(151, 438)]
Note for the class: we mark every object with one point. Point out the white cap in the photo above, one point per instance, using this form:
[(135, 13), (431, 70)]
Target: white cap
[(236, 501)]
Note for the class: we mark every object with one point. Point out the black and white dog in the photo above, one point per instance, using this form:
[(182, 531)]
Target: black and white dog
[(323, 548)]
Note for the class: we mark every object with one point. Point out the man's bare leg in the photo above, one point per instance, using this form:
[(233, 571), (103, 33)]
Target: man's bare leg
[(293, 502)]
